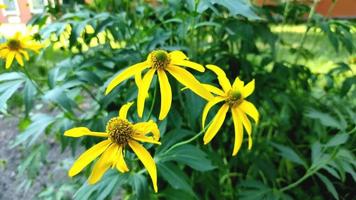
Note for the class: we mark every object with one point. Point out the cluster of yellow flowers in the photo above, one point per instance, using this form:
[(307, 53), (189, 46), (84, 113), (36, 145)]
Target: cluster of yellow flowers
[(120, 132), (16, 47)]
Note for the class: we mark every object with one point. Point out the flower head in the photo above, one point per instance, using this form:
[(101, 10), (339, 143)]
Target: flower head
[(120, 133), (233, 97), (161, 62), (17, 47), (3, 6)]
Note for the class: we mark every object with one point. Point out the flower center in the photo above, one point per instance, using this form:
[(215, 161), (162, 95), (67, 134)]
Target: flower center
[(234, 98), (119, 130), (14, 44), (160, 59)]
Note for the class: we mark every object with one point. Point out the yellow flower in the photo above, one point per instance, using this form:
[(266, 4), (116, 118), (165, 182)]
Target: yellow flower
[(161, 62), (234, 100), (16, 47), (3, 6), (119, 133)]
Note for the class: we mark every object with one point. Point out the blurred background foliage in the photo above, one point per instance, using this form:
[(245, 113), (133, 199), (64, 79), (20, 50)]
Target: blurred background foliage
[(303, 64)]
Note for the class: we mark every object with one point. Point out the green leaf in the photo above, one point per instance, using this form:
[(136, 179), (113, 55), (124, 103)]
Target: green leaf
[(324, 118), (189, 155), (337, 140), (240, 7), (7, 89), (329, 185), (32, 133), (29, 95), (173, 137), (174, 176), (289, 154), (140, 186)]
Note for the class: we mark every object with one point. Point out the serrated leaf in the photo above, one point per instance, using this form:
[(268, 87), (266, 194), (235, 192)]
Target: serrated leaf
[(324, 118), (289, 154), (175, 177), (189, 155), (329, 185), (338, 140)]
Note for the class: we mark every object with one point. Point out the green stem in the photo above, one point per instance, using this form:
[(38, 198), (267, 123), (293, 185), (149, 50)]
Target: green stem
[(190, 139)]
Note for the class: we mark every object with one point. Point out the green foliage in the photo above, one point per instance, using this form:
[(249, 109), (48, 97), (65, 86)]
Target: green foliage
[(302, 146)]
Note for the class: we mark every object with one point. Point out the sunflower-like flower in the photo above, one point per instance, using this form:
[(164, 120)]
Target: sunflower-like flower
[(119, 133), (161, 62), (17, 47), (234, 100)]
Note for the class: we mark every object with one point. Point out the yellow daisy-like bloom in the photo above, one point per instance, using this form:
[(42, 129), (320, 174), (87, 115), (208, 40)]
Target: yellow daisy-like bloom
[(16, 47), (234, 100), (161, 62), (119, 133)]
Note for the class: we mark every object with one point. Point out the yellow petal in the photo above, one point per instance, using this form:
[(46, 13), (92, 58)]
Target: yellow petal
[(238, 85), (120, 163), (143, 128), (81, 131), (88, 156), (177, 55), (248, 89), (187, 63), (148, 139), (246, 123), (248, 108), (223, 80), (138, 79), (19, 59), (143, 91), (166, 94), (103, 164), (124, 109), (146, 160), (10, 57), (214, 90), (216, 124), (25, 54), (208, 106), (188, 80), (238, 131), (125, 74)]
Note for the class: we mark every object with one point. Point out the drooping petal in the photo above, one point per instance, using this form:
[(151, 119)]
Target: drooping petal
[(120, 163), (238, 131), (188, 80), (248, 108), (125, 74), (143, 128), (190, 64), (177, 55), (124, 109), (208, 106), (9, 58), (81, 131), (246, 123), (166, 94), (223, 80), (146, 160), (18, 57), (216, 124), (143, 91), (103, 164), (248, 89), (214, 90), (87, 157)]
